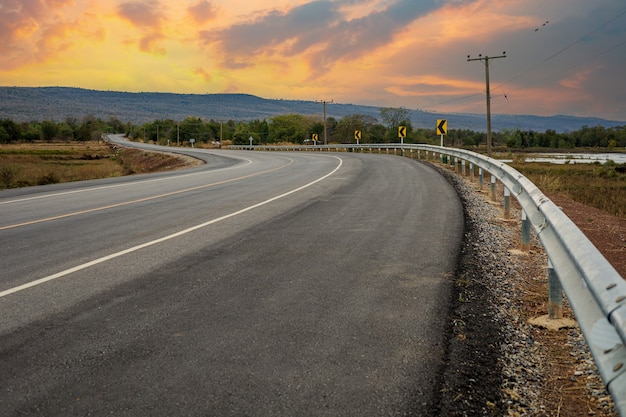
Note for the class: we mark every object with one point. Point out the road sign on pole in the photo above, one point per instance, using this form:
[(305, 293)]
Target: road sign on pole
[(357, 136), (442, 127), (402, 134)]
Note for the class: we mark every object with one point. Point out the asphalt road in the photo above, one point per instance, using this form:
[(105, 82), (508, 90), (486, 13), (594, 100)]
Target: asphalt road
[(260, 284)]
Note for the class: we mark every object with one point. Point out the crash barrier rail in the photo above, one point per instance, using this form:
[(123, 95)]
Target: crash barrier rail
[(596, 291)]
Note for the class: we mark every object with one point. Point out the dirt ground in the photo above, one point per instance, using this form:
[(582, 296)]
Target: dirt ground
[(558, 373), (567, 393), (606, 232)]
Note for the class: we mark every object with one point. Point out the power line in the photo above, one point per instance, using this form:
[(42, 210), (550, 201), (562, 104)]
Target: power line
[(549, 58), (584, 36), (554, 55)]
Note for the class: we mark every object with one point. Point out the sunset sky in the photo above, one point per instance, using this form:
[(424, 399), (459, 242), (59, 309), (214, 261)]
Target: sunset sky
[(562, 56)]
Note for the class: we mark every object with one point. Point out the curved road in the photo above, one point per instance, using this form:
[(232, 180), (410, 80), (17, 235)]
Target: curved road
[(260, 284)]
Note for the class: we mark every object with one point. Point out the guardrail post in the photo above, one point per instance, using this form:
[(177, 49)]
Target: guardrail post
[(463, 167), (472, 171), (493, 188), (481, 178), (507, 203), (555, 294), (525, 232)]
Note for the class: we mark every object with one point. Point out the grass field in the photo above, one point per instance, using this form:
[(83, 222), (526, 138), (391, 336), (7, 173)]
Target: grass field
[(598, 185), (23, 165)]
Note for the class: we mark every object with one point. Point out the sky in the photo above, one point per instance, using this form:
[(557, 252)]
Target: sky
[(561, 56)]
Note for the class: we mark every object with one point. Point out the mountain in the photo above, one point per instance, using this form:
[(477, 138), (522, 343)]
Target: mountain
[(24, 104)]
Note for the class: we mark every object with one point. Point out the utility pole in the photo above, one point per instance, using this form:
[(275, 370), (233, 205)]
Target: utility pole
[(486, 59), (325, 130)]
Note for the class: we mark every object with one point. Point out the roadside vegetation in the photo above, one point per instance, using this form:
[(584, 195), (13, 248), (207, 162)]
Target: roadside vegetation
[(299, 129), (40, 163), (48, 151), (600, 185)]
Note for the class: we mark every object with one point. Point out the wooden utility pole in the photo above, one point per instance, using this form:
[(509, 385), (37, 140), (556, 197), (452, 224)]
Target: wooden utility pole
[(325, 130), (486, 59)]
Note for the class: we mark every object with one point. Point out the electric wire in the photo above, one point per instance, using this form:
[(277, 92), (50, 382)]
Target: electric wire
[(549, 58)]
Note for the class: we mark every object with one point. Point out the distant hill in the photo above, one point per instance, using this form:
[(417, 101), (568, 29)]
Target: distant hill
[(58, 103)]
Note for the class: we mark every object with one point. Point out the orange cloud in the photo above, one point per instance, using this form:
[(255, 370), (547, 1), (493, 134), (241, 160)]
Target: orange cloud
[(202, 11), (577, 80), (147, 16), (146, 13), (36, 30), (203, 73)]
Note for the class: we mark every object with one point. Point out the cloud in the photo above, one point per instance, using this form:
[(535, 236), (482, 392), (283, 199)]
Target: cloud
[(146, 13), (148, 16), (320, 29), (19, 19), (35, 30), (203, 11), (204, 74)]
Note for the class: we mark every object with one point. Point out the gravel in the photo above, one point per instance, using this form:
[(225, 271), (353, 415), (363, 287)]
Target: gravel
[(495, 366)]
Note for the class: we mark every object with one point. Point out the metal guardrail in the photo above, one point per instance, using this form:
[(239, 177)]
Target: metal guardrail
[(596, 291)]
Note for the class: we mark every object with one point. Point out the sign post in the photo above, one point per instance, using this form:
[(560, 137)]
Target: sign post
[(357, 136), (442, 128), (402, 133)]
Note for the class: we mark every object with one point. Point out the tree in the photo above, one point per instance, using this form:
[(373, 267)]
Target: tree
[(243, 133), (393, 118), (12, 131), (49, 130), (89, 129), (377, 133), (351, 123), (294, 128), (513, 138), (260, 128)]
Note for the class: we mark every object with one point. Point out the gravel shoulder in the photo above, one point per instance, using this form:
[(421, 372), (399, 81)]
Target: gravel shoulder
[(498, 363)]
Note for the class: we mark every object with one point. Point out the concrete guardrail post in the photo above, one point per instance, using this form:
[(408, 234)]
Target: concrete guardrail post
[(525, 232), (507, 203), (493, 188), (555, 294)]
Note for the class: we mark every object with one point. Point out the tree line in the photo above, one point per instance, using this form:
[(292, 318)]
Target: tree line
[(297, 128)]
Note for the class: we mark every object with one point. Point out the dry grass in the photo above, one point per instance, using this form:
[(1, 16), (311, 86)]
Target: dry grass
[(602, 186), (30, 164)]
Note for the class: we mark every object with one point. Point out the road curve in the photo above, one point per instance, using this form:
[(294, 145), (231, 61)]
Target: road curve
[(260, 284)]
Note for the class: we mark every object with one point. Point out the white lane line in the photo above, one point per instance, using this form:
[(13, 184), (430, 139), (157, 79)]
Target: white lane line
[(165, 238), (141, 200), (126, 184)]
